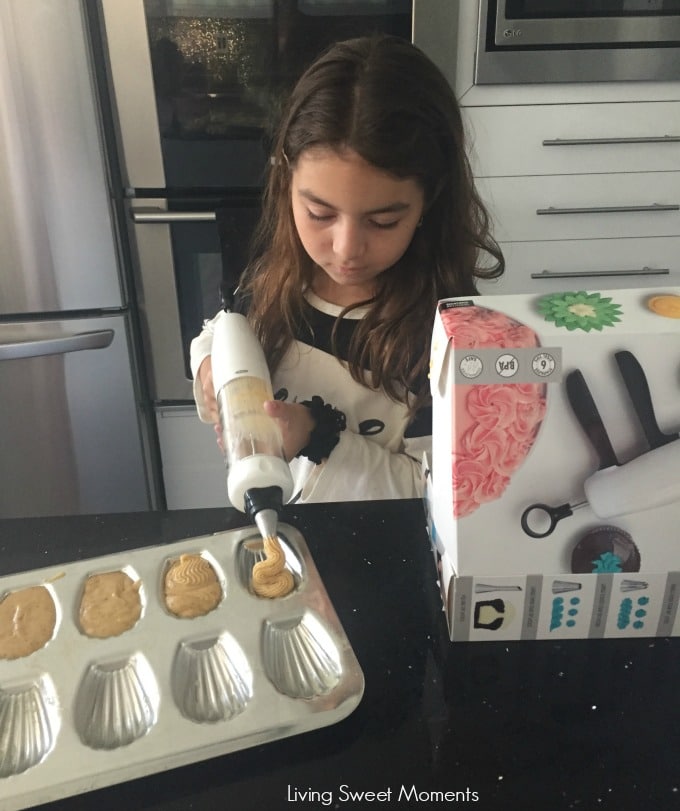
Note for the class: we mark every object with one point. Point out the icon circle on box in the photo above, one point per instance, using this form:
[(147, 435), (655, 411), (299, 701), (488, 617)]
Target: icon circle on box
[(507, 365), (471, 366), (543, 364)]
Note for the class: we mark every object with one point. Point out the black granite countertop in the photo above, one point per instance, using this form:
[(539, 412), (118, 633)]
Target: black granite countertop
[(554, 725)]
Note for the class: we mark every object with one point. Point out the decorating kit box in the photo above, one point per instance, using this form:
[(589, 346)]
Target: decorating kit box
[(553, 491)]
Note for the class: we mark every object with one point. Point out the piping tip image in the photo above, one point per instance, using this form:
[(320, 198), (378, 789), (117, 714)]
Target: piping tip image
[(484, 588), (563, 586), (634, 585)]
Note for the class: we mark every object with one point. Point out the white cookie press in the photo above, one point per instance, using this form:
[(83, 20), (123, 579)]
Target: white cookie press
[(259, 481)]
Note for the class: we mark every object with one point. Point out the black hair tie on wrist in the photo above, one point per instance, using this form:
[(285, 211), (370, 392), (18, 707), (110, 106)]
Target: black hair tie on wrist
[(326, 434)]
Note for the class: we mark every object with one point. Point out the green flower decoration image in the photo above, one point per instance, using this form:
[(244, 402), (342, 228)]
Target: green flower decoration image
[(607, 562), (585, 311)]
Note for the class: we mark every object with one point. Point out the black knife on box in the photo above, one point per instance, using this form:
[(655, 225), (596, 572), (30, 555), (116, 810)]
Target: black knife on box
[(638, 389), (650, 480), (585, 411)]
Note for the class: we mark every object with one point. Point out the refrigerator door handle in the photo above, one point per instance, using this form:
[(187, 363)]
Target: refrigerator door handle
[(56, 345)]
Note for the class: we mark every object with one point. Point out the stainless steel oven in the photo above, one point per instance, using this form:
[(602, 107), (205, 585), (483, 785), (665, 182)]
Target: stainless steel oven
[(535, 41)]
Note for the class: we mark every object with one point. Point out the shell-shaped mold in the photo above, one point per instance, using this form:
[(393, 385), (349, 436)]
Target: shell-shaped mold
[(300, 658), (29, 724), (212, 680), (117, 703), (251, 551)]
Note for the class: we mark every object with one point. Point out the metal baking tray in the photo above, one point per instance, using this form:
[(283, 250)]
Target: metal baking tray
[(82, 713)]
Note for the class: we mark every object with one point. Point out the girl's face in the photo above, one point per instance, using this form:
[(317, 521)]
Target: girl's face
[(354, 221)]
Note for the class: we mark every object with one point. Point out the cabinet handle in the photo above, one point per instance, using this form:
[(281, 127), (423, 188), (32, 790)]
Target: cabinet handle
[(652, 139), (159, 215), (570, 274), (609, 209)]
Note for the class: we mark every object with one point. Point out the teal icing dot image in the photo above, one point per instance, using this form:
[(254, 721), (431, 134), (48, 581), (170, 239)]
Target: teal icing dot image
[(637, 625), (557, 613), (625, 610), (641, 612), (643, 600)]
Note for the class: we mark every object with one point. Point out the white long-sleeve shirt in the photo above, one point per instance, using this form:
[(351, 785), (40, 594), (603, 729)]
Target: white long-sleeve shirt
[(379, 454)]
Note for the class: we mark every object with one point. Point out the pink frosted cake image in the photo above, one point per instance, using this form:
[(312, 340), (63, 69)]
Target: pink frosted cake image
[(495, 423)]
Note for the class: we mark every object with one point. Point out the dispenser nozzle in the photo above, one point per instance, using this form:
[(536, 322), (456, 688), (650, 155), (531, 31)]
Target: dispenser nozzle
[(267, 522), (262, 506)]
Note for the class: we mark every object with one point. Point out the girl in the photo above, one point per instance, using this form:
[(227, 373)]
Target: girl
[(370, 217)]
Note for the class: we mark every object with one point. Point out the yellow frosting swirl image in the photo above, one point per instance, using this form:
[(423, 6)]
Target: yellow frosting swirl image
[(667, 306), (270, 577), (191, 587)]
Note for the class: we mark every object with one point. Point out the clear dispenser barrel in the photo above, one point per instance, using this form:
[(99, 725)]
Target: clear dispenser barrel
[(247, 429)]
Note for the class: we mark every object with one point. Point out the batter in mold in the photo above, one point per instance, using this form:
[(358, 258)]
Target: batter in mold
[(27, 621), (110, 604), (191, 587), (270, 577)]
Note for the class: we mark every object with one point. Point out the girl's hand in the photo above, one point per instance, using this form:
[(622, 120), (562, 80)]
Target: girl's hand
[(295, 422), (205, 378)]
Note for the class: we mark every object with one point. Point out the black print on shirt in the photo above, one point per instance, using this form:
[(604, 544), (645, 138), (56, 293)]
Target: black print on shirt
[(371, 427)]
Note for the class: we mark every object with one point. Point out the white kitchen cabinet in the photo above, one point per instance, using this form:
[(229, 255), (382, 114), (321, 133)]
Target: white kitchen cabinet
[(581, 186), (587, 145), (574, 138), (587, 264), (645, 204)]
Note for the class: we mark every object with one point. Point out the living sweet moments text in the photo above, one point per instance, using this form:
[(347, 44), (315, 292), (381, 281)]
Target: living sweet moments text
[(406, 794)]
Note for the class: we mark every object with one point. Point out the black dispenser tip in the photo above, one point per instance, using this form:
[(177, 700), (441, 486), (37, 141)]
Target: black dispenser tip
[(262, 498)]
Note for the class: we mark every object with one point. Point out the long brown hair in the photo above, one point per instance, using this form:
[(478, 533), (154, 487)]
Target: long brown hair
[(384, 99)]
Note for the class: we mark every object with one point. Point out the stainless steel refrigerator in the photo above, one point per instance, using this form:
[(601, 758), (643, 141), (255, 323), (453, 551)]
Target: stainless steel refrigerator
[(71, 436)]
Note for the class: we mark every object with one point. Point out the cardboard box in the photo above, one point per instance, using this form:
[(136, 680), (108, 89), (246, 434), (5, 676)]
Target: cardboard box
[(541, 400)]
